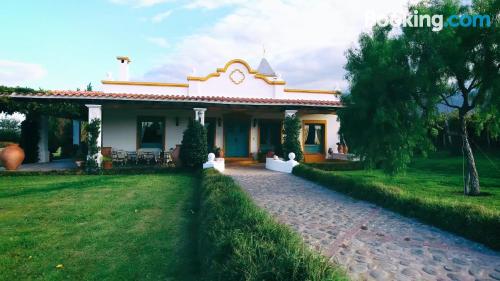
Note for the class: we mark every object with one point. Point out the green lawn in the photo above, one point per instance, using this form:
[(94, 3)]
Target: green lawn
[(440, 177), (121, 227)]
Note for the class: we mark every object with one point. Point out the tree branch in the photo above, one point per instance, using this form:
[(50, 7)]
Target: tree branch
[(445, 100)]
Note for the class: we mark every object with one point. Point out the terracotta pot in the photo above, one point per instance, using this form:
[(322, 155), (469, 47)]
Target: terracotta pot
[(176, 155), (340, 149), (106, 151), (221, 153), (345, 149), (270, 154), (107, 165), (12, 156)]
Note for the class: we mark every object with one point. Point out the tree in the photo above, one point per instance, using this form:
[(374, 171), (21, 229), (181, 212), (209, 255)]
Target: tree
[(459, 68), (194, 149), (291, 134), (398, 82), (381, 121), (10, 130)]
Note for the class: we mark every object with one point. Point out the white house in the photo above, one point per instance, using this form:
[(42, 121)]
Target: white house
[(242, 109)]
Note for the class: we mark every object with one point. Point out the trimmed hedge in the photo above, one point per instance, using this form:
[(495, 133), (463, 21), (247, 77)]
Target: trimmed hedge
[(239, 241), (471, 221), (338, 165)]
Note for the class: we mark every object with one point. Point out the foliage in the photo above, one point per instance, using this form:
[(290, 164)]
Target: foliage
[(55, 108), (92, 128), (10, 130), (239, 241), (397, 83), (472, 221), (89, 87), (291, 136), (339, 165), (381, 121), (194, 149), (30, 136), (96, 229)]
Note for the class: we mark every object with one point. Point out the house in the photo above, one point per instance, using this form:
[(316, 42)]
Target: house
[(242, 109)]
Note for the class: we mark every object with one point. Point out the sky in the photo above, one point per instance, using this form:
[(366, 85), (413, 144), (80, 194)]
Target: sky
[(65, 44)]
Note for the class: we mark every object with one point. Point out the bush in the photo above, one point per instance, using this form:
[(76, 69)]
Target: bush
[(470, 221), (194, 149), (92, 128), (291, 134), (239, 241), (338, 165), (10, 130), (30, 136)]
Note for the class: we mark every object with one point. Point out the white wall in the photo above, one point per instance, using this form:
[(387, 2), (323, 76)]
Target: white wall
[(120, 126), (139, 89), (332, 128)]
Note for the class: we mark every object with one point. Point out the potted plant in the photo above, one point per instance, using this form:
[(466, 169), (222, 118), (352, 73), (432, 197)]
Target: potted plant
[(219, 153), (107, 163)]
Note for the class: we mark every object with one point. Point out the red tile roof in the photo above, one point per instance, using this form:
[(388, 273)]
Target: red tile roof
[(177, 98)]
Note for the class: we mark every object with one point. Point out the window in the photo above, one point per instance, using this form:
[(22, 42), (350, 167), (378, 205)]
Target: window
[(151, 131), (314, 137), (269, 135)]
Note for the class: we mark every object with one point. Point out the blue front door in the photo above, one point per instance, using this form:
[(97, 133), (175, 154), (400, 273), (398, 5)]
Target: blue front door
[(236, 138)]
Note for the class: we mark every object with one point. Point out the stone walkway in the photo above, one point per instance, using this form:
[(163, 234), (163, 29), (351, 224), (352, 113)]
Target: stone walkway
[(370, 242)]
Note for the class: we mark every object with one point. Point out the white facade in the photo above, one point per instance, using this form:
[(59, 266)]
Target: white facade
[(236, 84)]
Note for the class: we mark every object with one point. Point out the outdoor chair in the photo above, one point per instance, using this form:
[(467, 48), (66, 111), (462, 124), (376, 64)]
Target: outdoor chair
[(132, 157), (166, 159)]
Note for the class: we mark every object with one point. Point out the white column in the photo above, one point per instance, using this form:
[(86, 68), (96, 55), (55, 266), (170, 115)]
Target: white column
[(95, 112), (199, 115), (290, 113), (76, 132), (43, 142)]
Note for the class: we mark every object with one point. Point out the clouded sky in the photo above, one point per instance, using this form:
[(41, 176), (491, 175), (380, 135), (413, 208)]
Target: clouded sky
[(60, 44)]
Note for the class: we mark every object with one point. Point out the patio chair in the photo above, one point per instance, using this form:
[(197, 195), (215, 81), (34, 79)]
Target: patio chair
[(132, 157), (166, 159), (147, 156)]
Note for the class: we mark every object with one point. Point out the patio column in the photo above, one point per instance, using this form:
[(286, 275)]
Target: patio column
[(290, 113), (43, 142), (95, 112), (199, 115)]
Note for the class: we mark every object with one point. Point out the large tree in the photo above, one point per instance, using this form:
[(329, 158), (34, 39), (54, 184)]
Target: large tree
[(401, 80)]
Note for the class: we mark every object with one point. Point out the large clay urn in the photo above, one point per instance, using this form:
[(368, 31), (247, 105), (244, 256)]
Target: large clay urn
[(12, 156), (176, 155)]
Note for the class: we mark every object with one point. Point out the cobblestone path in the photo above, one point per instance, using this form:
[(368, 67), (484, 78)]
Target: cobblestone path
[(371, 243)]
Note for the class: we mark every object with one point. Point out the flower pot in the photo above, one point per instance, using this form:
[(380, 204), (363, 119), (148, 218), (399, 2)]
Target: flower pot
[(106, 151), (107, 165), (176, 155), (12, 156), (221, 154)]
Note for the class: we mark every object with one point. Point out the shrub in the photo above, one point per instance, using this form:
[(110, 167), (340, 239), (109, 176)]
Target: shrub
[(291, 134), (30, 136), (10, 130), (470, 221), (239, 241), (92, 129), (338, 165), (194, 149)]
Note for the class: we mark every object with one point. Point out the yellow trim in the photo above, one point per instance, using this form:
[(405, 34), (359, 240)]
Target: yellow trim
[(312, 91), (183, 85), (257, 75)]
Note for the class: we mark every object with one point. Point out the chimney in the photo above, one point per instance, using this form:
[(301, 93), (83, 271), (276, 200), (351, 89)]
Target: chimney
[(123, 68)]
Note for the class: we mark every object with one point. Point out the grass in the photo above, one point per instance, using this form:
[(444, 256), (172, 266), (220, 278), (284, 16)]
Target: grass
[(239, 241), (431, 190), (115, 227), (440, 177)]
